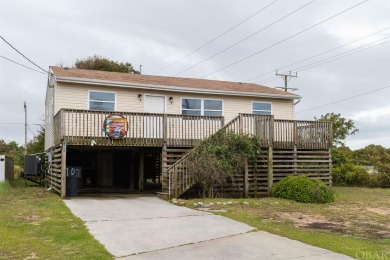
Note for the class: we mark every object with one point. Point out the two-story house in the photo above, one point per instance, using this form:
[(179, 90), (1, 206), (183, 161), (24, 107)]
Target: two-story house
[(129, 132)]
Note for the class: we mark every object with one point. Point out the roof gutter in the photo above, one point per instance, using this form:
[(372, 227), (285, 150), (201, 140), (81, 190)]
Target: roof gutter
[(171, 88)]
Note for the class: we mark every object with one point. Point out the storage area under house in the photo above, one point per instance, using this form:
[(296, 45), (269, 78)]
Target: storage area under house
[(116, 169)]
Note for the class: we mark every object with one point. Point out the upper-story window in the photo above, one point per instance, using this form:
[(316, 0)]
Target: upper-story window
[(201, 107), (261, 108), (102, 100)]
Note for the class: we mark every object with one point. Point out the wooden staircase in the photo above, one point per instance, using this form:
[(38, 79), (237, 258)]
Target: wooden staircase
[(275, 136), (180, 179)]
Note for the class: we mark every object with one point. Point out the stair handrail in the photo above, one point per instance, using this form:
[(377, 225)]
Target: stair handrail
[(169, 169), (231, 122)]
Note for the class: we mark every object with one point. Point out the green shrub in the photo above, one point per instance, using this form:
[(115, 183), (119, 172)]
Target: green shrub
[(220, 159), (358, 176), (379, 180), (17, 170), (339, 174), (303, 189), (349, 174)]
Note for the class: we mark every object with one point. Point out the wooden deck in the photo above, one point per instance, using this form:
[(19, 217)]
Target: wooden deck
[(84, 127)]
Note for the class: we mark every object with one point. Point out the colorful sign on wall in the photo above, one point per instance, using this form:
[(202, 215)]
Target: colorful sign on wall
[(115, 126)]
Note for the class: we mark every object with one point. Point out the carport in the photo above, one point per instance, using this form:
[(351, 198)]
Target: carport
[(116, 170)]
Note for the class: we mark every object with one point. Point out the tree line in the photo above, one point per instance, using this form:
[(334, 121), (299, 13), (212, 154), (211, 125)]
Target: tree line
[(16, 152), (369, 166)]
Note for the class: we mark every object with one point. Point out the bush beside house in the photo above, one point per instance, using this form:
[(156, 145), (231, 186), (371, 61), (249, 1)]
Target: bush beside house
[(303, 189)]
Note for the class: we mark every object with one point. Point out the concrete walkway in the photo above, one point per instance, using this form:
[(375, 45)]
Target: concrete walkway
[(146, 227)]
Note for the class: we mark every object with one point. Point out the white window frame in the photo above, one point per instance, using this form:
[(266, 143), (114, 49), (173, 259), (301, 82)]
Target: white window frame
[(261, 110), (202, 105), (101, 91), (181, 105)]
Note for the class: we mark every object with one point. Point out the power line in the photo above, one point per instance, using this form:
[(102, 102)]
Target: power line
[(31, 131), (19, 101), (219, 36), (268, 79), (246, 38), (285, 39), (200, 25), (4, 123), (330, 59), (22, 65), (341, 100), (23, 54), (316, 55)]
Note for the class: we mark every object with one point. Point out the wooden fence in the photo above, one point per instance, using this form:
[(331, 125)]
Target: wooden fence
[(315, 164), (55, 178)]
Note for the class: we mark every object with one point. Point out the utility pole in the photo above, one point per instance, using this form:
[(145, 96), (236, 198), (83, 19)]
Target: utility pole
[(286, 79), (25, 128), (140, 69)]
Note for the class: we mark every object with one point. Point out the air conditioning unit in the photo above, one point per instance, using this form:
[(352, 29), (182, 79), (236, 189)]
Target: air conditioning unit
[(32, 165)]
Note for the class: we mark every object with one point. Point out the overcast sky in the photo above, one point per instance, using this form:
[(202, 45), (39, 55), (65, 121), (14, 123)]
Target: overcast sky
[(155, 34)]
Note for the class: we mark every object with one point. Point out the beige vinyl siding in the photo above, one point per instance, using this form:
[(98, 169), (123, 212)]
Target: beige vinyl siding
[(75, 96)]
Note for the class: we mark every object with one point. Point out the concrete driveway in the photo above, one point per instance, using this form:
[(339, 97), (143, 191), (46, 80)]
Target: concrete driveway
[(128, 225)]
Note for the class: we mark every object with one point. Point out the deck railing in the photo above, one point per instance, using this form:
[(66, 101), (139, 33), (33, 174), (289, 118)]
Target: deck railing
[(302, 134), (280, 134), (84, 127)]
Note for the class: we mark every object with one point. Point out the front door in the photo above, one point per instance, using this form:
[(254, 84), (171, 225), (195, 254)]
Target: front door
[(154, 123)]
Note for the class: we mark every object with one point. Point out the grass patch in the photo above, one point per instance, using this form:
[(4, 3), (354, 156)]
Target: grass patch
[(358, 220), (35, 223), (4, 186)]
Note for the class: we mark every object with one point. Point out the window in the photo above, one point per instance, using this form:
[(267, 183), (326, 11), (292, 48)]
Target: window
[(261, 108), (212, 107), (191, 107), (201, 107), (102, 100)]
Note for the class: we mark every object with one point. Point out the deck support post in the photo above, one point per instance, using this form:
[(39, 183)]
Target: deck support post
[(164, 174), (330, 167), (132, 171), (241, 124), (270, 173), (295, 158), (165, 128), (63, 171), (295, 147), (141, 171), (246, 179), (175, 183)]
